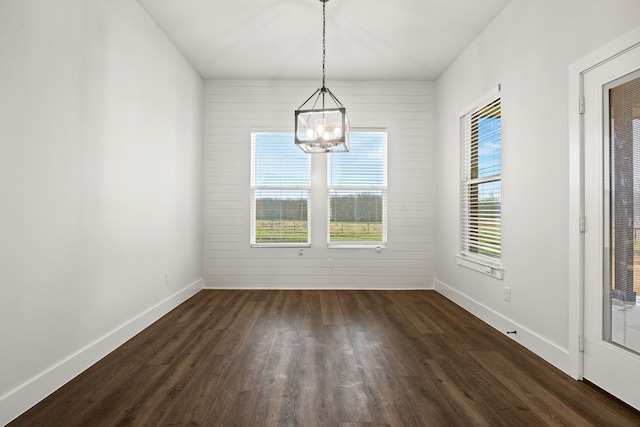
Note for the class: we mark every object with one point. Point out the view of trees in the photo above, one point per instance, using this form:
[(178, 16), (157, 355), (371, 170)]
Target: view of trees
[(363, 208), (281, 209)]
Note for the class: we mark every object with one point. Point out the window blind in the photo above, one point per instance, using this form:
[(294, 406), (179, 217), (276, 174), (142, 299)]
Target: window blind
[(623, 96), (357, 191), (481, 182), (280, 190)]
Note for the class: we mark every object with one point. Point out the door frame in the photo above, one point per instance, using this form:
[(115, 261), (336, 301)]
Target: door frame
[(577, 221)]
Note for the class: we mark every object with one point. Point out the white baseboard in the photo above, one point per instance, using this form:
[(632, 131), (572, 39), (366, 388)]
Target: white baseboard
[(33, 391), (314, 288), (542, 347)]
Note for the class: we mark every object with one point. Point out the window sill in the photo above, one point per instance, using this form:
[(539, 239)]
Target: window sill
[(280, 245), (377, 248), (490, 269)]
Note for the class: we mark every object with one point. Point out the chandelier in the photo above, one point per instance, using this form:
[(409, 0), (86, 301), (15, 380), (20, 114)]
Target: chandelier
[(322, 128)]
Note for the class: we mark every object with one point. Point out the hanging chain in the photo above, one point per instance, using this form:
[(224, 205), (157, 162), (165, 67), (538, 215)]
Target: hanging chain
[(324, 47)]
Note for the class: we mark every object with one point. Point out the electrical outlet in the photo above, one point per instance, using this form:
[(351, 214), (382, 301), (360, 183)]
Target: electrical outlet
[(507, 294), (330, 263), (166, 279)]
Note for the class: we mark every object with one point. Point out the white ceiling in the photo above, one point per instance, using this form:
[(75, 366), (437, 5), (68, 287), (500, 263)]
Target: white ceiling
[(282, 39)]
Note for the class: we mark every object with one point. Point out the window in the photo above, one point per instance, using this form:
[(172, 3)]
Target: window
[(481, 183), (282, 184), (280, 191), (357, 191)]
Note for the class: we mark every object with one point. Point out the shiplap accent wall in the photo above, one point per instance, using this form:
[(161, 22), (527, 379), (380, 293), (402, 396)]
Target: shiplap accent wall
[(233, 108)]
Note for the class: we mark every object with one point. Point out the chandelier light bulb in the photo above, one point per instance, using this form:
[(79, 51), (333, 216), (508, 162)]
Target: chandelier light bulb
[(311, 134)]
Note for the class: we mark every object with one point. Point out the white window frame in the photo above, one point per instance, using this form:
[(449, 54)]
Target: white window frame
[(255, 188), (485, 264), (318, 183), (360, 188)]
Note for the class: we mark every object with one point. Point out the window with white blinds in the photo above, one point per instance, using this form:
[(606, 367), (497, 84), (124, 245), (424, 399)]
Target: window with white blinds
[(481, 182), (280, 191), (357, 191)]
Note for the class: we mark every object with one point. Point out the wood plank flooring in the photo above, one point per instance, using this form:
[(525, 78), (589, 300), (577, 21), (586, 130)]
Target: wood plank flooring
[(324, 358)]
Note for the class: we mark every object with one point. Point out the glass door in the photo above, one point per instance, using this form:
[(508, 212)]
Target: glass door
[(612, 235), (621, 324)]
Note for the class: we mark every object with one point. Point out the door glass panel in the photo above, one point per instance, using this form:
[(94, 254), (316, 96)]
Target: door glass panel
[(622, 281)]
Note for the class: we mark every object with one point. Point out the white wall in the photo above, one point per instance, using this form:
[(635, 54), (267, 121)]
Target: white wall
[(100, 186), (528, 48), (404, 108)]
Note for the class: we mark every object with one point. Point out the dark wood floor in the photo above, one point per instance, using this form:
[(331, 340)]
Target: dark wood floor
[(324, 358)]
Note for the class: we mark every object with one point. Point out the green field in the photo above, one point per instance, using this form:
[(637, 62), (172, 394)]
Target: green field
[(356, 231), (271, 231), (268, 231)]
